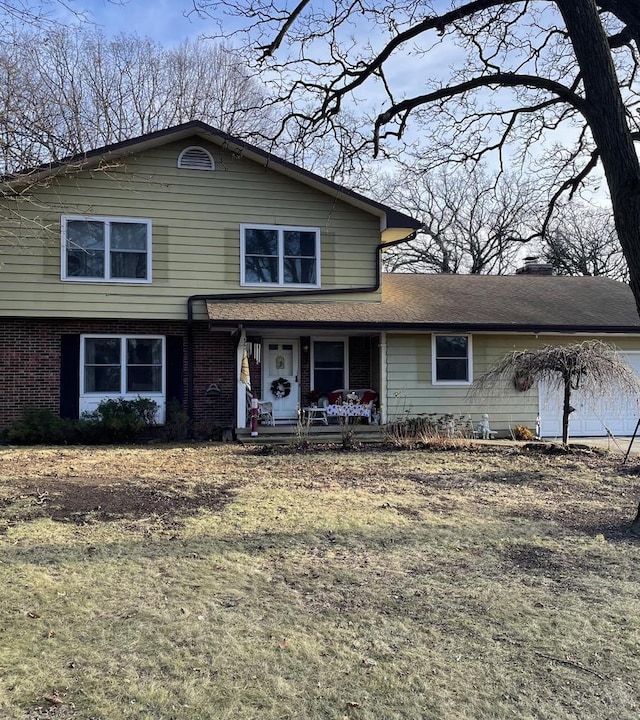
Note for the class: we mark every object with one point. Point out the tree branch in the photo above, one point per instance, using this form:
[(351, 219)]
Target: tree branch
[(500, 79), (268, 50)]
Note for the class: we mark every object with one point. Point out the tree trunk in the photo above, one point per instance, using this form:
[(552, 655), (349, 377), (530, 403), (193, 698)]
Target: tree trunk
[(566, 410), (605, 114), (635, 525)]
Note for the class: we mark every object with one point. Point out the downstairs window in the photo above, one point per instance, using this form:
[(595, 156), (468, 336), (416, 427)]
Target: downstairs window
[(122, 366)]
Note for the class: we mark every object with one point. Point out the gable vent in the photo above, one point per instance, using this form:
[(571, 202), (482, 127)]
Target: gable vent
[(195, 158)]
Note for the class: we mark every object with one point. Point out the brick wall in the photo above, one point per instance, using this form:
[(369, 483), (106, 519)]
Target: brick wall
[(305, 370), (214, 362), (360, 363), (30, 354)]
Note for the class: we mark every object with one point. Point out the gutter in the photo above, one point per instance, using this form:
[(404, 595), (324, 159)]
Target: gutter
[(445, 327), (276, 294)]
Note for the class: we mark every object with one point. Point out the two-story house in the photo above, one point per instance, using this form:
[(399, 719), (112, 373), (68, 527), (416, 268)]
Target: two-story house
[(152, 267)]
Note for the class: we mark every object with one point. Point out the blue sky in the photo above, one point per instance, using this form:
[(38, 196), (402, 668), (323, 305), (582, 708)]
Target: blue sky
[(162, 20)]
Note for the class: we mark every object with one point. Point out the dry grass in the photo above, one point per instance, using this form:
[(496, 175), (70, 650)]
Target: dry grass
[(217, 582)]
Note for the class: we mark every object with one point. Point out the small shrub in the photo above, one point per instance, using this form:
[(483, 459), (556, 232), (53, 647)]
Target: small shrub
[(444, 440), (118, 420), (432, 430), (37, 426), (522, 432), (206, 430), (177, 423), (301, 439), (408, 432), (113, 421), (347, 434)]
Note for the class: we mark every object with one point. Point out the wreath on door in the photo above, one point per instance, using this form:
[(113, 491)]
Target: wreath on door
[(280, 388)]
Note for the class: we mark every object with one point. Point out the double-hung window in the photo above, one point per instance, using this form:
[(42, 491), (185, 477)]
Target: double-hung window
[(106, 249), (121, 366), (281, 256), (452, 359)]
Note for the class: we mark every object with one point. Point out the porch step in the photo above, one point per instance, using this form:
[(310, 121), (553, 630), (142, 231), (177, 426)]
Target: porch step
[(285, 434)]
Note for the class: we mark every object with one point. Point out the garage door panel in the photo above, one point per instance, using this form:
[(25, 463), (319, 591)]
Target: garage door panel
[(614, 413)]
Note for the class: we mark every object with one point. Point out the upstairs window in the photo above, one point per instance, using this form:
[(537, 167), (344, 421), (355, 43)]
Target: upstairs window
[(452, 359), (106, 249), (277, 255)]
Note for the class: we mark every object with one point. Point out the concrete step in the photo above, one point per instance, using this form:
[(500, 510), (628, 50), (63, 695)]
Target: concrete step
[(282, 434)]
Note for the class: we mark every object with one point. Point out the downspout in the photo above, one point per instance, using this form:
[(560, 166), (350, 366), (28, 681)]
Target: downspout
[(275, 294)]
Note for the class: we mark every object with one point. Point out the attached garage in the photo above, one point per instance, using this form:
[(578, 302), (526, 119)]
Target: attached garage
[(592, 417)]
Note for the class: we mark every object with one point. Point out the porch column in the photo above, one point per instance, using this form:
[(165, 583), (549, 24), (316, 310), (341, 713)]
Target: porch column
[(383, 378), (241, 394)]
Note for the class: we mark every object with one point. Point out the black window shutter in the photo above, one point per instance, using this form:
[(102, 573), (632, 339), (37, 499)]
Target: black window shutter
[(175, 372), (70, 376)]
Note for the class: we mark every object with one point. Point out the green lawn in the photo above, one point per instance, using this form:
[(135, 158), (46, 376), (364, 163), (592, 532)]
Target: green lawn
[(228, 583)]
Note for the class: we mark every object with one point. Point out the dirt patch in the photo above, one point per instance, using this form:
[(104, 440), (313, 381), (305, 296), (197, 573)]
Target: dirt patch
[(59, 712), (79, 502), (541, 559)]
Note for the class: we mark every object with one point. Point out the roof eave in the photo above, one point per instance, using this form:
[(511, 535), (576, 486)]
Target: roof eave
[(533, 329)]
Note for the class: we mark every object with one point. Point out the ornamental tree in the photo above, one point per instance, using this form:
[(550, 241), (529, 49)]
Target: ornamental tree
[(592, 367)]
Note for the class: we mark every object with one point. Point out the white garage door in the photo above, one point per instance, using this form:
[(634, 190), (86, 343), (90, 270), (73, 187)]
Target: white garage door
[(593, 416)]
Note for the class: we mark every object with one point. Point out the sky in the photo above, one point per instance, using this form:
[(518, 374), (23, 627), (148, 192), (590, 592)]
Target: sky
[(161, 20), (166, 22)]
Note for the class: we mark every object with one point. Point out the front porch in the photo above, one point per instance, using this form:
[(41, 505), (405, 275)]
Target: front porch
[(296, 371)]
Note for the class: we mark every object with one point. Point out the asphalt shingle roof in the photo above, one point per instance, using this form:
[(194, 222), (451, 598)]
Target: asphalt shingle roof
[(515, 302)]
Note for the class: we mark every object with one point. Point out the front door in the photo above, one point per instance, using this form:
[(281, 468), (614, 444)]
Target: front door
[(280, 381)]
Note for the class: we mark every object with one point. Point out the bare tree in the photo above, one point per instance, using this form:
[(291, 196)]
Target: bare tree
[(473, 223), (37, 13), (518, 73), (593, 367), (582, 240), (69, 90)]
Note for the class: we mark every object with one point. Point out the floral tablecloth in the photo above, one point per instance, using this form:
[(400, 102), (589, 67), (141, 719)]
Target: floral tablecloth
[(349, 410)]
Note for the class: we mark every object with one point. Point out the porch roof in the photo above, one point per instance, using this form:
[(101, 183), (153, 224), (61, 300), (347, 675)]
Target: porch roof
[(461, 302)]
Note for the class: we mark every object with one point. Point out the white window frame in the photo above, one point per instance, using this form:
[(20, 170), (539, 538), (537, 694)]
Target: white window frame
[(89, 401), (434, 366), (107, 220), (280, 229)]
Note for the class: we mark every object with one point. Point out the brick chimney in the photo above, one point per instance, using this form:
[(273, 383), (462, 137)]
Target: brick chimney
[(532, 266)]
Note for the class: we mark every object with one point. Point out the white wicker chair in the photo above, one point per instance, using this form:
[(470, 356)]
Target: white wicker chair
[(265, 411)]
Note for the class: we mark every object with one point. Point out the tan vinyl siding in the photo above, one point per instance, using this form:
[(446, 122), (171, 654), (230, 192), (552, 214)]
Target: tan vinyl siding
[(410, 390), (196, 218)]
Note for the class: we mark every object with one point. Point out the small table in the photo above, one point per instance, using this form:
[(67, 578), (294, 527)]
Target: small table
[(314, 414)]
